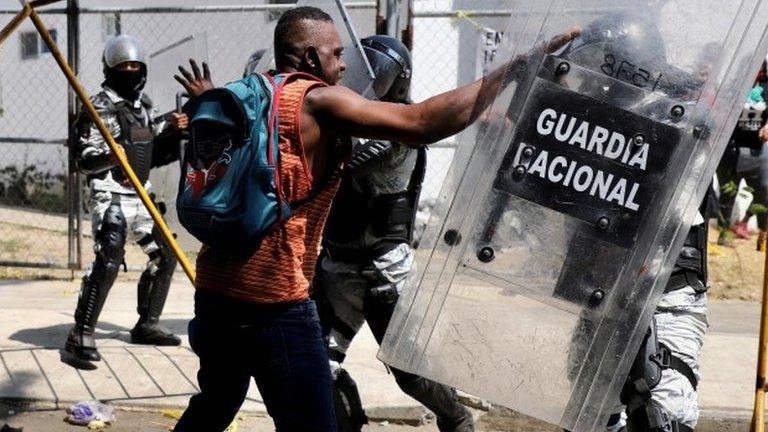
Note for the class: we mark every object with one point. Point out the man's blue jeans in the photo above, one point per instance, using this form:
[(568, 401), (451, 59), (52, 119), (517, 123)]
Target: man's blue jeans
[(279, 345)]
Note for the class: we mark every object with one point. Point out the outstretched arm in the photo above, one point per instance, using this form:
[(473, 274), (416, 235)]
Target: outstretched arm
[(344, 111), (340, 110)]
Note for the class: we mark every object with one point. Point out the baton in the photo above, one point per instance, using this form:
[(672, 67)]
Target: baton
[(185, 133), (758, 413)]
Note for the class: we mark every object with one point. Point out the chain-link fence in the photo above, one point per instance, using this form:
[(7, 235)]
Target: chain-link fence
[(452, 42), (42, 220), (34, 220)]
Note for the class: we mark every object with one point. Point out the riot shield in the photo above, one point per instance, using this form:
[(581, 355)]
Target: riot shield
[(359, 75), (166, 97), (163, 65), (569, 200)]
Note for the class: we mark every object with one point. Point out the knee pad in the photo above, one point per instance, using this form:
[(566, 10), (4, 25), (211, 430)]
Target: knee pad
[(645, 373), (645, 415), (162, 261), (110, 239)]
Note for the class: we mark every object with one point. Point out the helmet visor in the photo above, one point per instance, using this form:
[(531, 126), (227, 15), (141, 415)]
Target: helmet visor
[(385, 69), (387, 66)]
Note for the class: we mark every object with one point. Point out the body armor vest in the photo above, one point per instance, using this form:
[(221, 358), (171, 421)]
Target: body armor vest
[(137, 137), (691, 266), (375, 207)]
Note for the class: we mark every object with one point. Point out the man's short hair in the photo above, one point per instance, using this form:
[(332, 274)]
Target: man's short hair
[(286, 30)]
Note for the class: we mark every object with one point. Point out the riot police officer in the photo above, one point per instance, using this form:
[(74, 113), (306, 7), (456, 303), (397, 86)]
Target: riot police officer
[(660, 392), (117, 214), (367, 256)]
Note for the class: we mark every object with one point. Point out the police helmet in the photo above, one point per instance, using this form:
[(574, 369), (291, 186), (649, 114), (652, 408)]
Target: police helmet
[(615, 38), (629, 47), (392, 66), (121, 49)]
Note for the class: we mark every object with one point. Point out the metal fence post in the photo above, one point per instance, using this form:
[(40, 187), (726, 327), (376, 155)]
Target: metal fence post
[(406, 19), (381, 21), (74, 189)]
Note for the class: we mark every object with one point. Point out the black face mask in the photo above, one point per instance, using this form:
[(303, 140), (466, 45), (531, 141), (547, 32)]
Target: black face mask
[(127, 84)]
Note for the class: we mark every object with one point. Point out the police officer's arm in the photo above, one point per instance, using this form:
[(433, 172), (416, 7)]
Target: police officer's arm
[(165, 147), (343, 111), (170, 131), (94, 155)]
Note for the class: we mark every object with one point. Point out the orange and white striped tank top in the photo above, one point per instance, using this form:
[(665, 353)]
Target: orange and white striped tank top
[(282, 267)]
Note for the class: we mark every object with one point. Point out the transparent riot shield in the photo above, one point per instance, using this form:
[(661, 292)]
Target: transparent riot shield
[(570, 198), (359, 75), (163, 65), (167, 97)]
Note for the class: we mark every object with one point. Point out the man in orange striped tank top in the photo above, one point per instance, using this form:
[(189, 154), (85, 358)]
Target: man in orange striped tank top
[(253, 315)]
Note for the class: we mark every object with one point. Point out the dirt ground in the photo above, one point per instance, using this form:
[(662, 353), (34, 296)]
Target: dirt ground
[(736, 272)]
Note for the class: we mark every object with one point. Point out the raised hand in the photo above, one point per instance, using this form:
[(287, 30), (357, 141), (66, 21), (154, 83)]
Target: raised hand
[(763, 134), (560, 40), (195, 83)]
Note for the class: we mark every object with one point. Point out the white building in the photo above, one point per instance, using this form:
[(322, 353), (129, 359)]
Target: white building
[(33, 92)]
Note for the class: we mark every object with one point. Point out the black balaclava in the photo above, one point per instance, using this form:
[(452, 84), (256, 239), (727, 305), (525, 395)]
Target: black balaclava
[(127, 84)]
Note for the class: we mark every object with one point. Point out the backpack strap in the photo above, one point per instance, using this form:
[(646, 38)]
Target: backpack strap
[(273, 139), (278, 83)]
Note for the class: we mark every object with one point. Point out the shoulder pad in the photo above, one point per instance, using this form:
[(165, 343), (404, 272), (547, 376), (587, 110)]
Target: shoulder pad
[(103, 103), (146, 101)]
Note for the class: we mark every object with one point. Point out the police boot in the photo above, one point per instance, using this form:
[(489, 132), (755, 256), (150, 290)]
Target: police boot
[(150, 332), (350, 416), (80, 341), (110, 242), (617, 423), (153, 288), (451, 415)]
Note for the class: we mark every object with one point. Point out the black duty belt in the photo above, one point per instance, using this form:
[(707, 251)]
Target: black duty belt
[(682, 279), (356, 256)]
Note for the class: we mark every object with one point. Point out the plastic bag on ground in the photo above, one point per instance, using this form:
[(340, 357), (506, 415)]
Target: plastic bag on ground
[(83, 413)]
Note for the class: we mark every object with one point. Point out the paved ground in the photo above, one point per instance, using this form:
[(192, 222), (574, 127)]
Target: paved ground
[(140, 421), (36, 315)]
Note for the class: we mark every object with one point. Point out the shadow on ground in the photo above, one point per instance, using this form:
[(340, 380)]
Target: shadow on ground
[(53, 337), (17, 384)]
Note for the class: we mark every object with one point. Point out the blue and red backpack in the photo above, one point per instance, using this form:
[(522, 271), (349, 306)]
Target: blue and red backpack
[(229, 193)]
